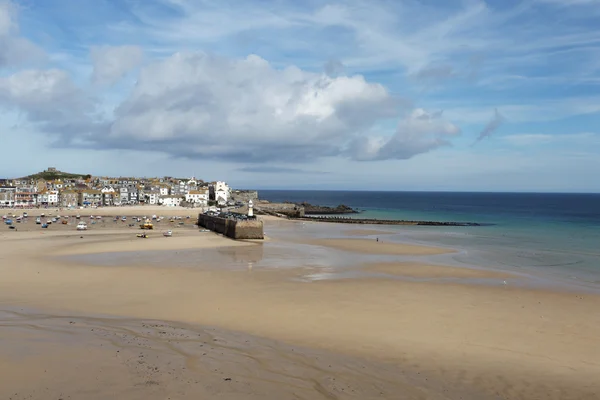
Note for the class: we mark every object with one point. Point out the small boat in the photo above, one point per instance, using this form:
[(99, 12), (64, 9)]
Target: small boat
[(12, 227), (54, 219), (147, 225), (8, 221), (154, 217), (98, 217), (42, 215), (48, 222), (142, 235), (77, 216), (45, 226), (64, 221), (25, 214), (38, 220), (82, 226), (168, 233)]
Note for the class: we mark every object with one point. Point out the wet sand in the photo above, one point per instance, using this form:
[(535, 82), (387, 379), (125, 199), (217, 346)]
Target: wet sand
[(417, 270), (371, 246), (366, 232), (277, 337)]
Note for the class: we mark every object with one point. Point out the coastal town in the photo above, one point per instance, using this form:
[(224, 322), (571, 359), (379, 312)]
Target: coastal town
[(53, 188)]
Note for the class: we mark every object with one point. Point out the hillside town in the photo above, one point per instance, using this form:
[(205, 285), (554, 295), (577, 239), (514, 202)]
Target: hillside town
[(68, 191)]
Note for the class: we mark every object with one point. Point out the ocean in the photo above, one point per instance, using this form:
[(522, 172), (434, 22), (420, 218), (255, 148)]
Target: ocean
[(553, 235)]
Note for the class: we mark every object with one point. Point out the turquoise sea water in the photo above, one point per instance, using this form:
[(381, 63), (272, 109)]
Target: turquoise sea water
[(556, 235)]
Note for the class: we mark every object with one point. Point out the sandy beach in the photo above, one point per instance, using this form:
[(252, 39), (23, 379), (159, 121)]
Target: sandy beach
[(74, 329)]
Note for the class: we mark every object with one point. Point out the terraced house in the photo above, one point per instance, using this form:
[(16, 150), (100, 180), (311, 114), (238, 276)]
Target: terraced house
[(7, 196), (90, 197)]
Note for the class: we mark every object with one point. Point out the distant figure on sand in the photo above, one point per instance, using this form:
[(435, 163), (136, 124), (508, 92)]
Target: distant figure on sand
[(378, 239)]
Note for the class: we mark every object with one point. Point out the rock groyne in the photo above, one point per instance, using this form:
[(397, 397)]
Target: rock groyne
[(342, 220)]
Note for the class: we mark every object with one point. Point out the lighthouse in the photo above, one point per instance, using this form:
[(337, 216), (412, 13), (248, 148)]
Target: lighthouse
[(250, 211)]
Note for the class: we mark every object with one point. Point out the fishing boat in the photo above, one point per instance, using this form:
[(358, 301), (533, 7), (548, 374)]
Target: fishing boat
[(8, 221), (44, 226), (142, 235), (82, 226), (25, 214), (38, 220), (78, 216), (147, 225), (168, 233)]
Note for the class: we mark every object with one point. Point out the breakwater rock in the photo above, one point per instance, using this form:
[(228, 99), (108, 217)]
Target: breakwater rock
[(341, 220), (324, 210)]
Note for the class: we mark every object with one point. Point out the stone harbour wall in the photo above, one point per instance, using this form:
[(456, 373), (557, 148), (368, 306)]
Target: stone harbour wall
[(244, 195), (234, 229), (288, 209)]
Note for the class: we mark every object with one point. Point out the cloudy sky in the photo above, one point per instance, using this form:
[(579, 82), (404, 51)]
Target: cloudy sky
[(379, 94)]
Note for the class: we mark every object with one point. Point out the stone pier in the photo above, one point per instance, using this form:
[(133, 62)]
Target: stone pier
[(233, 228)]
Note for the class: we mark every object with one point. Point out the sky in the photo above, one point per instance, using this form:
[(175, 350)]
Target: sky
[(471, 95)]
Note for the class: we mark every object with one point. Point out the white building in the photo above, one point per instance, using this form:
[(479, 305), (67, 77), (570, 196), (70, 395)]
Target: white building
[(220, 192), (53, 197), (152, 197), (170, 201), (197, 197), (109, 196), (164, 191)]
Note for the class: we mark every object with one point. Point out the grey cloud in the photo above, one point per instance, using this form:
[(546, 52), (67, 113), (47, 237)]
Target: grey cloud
[(491, 127), (334, 68), (278, 170), (14, 50), (111, 63), (435, 73)]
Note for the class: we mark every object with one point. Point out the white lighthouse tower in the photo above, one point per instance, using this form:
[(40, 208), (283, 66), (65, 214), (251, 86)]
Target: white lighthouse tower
[(250, 211)]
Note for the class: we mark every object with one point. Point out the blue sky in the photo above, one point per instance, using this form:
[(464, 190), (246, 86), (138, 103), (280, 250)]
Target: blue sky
[(387, 95)]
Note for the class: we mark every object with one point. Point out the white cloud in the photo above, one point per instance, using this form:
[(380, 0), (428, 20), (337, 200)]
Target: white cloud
[(419, 132), (197, 105), (14, 50), (111, 63), (201, 106)]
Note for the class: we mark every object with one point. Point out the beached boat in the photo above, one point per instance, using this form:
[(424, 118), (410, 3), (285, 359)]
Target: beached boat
[(44, 226), (78, 216), (25, 214), (142, 235), (82, 226), (168, 233), (64, 221), (38, 220), (147, 225), (8, 221)]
